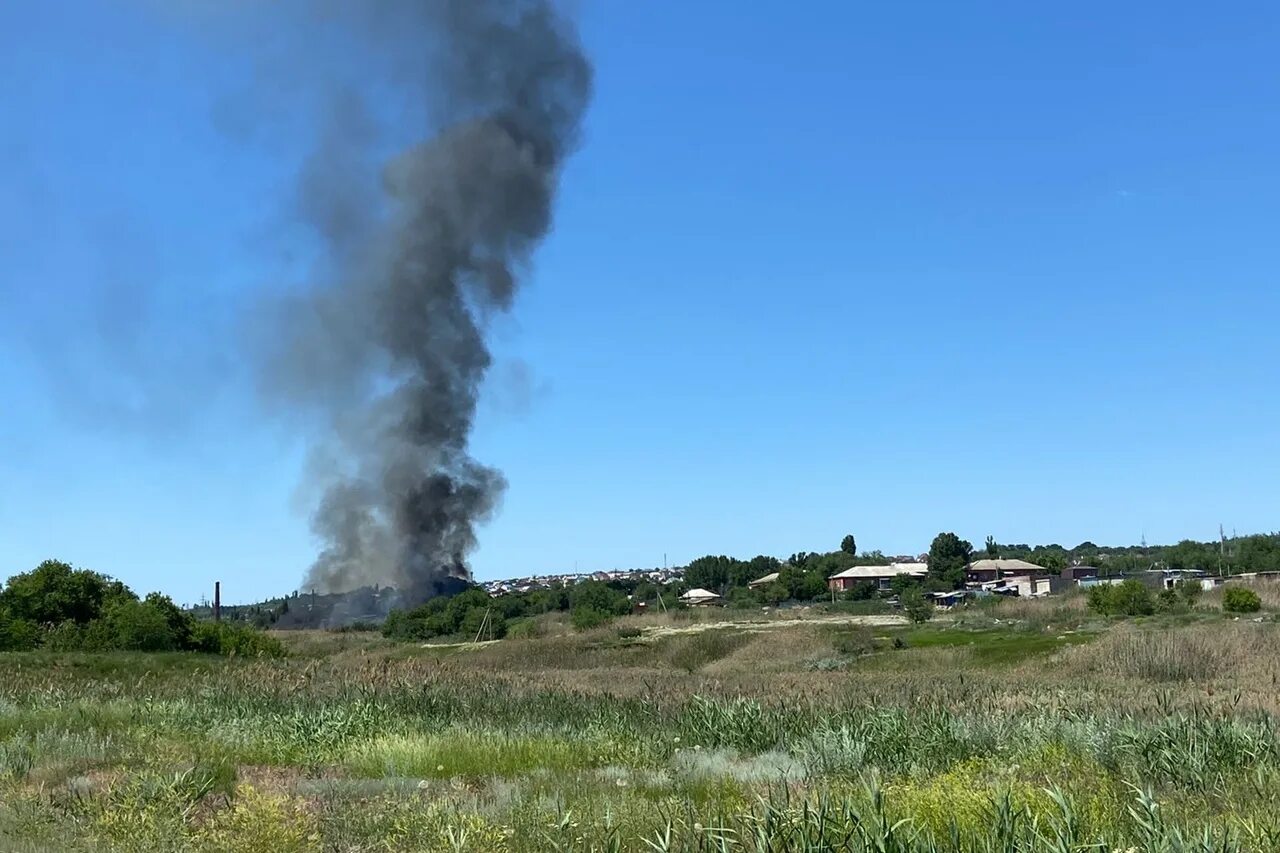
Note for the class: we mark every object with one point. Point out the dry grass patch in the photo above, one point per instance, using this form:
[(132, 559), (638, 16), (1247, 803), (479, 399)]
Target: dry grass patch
[(1201, 653)]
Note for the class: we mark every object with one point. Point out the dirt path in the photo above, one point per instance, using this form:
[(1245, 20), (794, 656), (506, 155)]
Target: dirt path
[(770, 624)]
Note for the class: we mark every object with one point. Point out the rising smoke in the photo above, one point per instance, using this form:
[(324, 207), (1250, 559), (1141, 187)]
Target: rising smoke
[(391, 346)]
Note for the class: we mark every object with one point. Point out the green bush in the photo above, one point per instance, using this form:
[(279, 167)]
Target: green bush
[(18, 635), (853, 640), (136, 626), (1170, 601), (221, 638), (586, 618), (1190, 591), (1129, 598), (917, 608), (527, 628), (484, 624), (596, 595), (462, 615), (1237, 599), (63, 609)]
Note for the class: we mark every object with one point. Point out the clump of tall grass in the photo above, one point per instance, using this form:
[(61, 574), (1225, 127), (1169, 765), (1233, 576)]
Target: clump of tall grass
[(691, 652), (1197, 653), (470, 753)]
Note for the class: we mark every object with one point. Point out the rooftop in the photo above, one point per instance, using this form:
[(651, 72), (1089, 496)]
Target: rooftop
[(892, 570)]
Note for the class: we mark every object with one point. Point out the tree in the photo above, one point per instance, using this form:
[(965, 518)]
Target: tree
[(1053, 561), (916, 606), (139, 626), (710, 572), (948, 557), (487, 623), (741, 574), (595, 595), (849, 545), (993, 550), (775, 593), (53, 592)]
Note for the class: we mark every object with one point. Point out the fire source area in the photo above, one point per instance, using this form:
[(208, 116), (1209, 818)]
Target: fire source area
[(368, 605)]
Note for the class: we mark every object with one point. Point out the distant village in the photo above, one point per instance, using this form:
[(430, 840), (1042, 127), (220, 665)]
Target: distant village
[(661, 577), (983, 577)]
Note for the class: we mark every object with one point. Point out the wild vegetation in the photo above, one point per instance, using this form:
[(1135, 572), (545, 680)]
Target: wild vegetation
[(1016, 725), (59, 608)]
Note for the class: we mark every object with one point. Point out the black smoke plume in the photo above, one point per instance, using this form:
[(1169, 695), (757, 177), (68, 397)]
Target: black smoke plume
[(391, 346)]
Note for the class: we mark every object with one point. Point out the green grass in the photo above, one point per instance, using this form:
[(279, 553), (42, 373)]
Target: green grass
[(995, 738), (989, 646)]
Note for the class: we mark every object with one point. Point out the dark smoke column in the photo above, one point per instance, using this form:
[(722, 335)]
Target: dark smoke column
[(394, 348)]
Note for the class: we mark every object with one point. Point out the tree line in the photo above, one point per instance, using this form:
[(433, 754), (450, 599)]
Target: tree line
[(60, 608)]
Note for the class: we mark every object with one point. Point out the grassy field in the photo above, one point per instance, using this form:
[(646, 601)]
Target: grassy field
[(1028, 726)]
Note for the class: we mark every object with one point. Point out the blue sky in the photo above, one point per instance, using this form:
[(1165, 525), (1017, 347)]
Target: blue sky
[(887, 269)]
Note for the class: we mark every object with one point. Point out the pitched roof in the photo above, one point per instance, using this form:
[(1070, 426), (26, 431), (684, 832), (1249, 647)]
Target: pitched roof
[(698, 593), (1004, 566), (769, 578), (873, 572)]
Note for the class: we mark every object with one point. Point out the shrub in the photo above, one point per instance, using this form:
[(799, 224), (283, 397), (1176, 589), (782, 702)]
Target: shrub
[(220, 638), (1170, 601), (135, 626), (916, 606), (483, 623), (528, 628), (18, 635), (596, 595), (1190, 590), (586, 618), (1130, 598), (1237, 599), (629, 632), (853, 640)]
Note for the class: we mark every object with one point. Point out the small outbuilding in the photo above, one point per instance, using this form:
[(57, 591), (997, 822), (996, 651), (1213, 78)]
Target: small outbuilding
[(699, 597)]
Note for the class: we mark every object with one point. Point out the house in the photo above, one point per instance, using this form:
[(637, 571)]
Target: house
[(881, 576), (1169, 578), (1023, 586), (982, 571), (701, 597), (1077, 573), (764, 581)]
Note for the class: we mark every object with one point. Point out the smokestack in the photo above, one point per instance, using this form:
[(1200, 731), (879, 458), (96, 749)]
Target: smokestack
[(217, 601), (389, 346)]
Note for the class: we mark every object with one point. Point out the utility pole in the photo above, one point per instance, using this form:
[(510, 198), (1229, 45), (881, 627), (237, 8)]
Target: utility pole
[(217, 601)]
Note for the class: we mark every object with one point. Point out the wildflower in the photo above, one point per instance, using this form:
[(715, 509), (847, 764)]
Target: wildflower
[(621, 783), (439, 768)]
